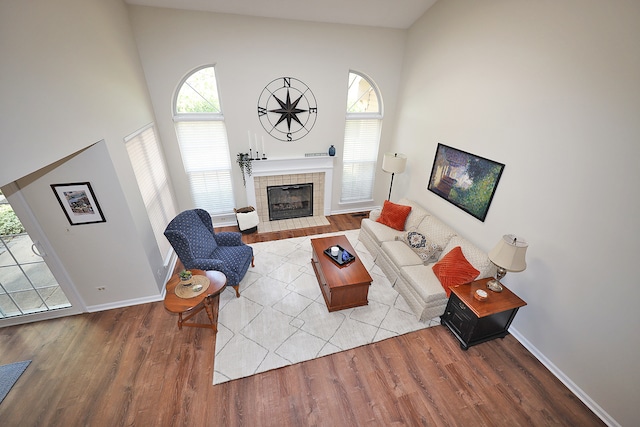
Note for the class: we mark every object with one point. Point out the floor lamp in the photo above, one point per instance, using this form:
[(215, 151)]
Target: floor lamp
[(393, 163)]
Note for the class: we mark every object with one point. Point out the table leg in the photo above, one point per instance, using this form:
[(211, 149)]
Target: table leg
[(179, 321), (209, 310)]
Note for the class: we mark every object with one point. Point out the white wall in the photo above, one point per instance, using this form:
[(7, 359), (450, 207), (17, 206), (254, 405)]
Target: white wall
[(552, 90), (70, 76), (248, 54), (95, 255)]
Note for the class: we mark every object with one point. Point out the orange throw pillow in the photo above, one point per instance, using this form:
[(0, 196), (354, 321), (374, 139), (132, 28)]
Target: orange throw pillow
[(394, 215), (454, 269)]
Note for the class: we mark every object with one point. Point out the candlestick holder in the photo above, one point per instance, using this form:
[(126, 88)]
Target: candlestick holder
[(264, 156)]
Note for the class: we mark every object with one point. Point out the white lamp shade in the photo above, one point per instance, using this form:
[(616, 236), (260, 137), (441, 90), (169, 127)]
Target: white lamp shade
[(510, 253), (394, 162)]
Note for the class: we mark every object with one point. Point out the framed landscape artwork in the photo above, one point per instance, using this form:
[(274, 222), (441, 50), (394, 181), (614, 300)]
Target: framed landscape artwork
[(465, 180), (78, 203)]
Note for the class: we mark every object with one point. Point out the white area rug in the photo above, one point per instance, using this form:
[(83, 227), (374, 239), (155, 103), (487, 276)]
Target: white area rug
[(281, 317)]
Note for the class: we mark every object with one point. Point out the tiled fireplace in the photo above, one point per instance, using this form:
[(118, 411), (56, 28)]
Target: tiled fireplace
[(290, 201), (304, 170)]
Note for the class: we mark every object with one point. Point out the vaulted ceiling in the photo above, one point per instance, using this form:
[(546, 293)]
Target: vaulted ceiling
[(378, 13)]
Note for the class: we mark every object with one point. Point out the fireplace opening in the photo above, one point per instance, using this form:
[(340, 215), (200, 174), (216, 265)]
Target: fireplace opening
[(290, 201)]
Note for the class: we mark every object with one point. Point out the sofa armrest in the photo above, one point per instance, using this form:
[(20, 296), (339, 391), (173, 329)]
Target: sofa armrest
[(375, 214)]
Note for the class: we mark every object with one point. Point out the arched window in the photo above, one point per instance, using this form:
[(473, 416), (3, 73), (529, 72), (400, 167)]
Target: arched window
[(361, 139), (202, 136)]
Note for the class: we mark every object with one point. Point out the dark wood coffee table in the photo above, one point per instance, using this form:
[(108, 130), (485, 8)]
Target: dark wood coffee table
[(343, 286), (193, 306)]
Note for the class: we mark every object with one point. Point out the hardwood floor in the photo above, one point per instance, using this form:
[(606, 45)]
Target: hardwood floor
[(132, 366)]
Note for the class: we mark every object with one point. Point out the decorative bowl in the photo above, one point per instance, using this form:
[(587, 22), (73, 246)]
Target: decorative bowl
[(480, 294)]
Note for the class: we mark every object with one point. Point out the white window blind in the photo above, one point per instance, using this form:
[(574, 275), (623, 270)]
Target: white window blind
[(361, 139), (205, 154), (151, 176)]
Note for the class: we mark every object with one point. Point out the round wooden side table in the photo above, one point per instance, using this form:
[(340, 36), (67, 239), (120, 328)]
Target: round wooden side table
[(192, 306)]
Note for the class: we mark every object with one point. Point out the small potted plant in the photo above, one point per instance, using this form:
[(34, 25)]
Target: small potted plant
[(244, 161), (185, 276)]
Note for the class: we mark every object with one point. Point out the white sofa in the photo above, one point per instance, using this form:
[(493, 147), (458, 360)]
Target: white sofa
[(408, 273)]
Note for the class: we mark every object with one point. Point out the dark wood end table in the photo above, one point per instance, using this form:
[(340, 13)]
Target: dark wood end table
[(193, 306), (472, 321)]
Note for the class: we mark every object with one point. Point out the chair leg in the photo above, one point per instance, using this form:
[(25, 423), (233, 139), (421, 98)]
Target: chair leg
[(237, 288), (252, 264)]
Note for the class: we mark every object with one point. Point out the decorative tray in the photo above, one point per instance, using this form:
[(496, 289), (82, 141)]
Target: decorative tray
[(343, 256)]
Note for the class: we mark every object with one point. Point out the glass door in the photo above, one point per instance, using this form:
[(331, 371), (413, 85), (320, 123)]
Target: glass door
[(27, 284)]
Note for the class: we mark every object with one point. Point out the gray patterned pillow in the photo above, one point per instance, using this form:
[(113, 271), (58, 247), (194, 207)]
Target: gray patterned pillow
[(427, 250)]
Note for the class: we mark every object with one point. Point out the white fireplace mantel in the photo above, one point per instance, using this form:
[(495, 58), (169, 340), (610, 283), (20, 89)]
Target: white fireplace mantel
[(290, 166)]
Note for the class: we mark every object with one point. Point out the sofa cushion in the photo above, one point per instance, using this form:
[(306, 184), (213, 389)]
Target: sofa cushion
[(439, 232), (424, 283), (427, 250), (378, 232), (400, 254), (454, 269), (394, 215), (476, 257), (417, 214)]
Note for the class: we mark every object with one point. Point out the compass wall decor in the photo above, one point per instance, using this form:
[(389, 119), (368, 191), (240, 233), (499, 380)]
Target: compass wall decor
[(287, 109)]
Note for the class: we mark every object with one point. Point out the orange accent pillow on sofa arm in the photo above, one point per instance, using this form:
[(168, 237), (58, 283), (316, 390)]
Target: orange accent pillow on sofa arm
[(454, 269)]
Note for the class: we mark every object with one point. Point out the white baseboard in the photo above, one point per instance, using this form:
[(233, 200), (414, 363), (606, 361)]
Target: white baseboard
[(352, 210), (124, 303), (580, 394)]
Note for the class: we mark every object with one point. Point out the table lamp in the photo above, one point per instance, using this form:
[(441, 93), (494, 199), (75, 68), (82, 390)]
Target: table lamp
[(393, 163), (508, 255)]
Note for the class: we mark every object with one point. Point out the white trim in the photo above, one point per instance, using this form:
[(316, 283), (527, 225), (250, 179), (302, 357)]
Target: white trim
[(229, 220), (126, 303), (198, 117), (579, 393), (23, 319), (138, 132), (364, 116), (354, 209)]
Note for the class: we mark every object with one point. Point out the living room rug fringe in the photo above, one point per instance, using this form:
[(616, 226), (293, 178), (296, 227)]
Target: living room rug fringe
[(281, 318)]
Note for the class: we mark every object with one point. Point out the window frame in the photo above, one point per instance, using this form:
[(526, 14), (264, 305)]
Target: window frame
[(178, 117), (361, 116), (158, 229)]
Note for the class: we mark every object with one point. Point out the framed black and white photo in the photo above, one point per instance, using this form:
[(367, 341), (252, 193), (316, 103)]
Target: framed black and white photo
[(79, 203)]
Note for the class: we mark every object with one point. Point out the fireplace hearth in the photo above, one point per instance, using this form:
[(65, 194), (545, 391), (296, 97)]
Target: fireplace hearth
[(290, 201)]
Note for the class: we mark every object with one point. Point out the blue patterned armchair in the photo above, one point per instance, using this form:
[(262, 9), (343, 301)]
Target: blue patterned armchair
[(198, 246)]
